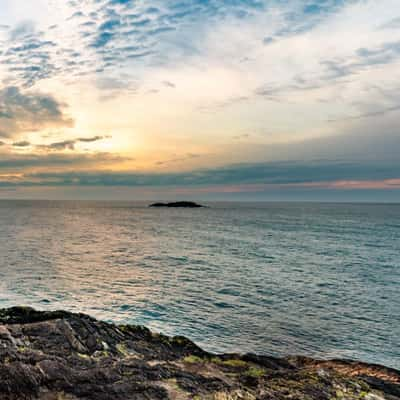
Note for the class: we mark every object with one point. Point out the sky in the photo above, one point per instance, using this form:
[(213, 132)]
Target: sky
[(200, 99)]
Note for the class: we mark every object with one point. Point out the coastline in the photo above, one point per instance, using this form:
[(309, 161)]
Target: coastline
[(61, 355)]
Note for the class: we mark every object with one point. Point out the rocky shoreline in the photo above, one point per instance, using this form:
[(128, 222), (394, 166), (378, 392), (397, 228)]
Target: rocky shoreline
[(64, 356)]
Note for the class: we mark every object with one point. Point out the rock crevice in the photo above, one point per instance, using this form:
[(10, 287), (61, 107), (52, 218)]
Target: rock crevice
[(60, 355)]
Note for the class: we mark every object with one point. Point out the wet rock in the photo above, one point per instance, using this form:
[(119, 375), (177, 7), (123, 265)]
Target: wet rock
[(64, 356)]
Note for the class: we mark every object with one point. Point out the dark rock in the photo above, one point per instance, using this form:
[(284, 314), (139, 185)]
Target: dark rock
[(178, 204), (64, 356)]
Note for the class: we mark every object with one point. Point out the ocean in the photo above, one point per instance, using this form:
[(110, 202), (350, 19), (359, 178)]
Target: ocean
[(280, 279)]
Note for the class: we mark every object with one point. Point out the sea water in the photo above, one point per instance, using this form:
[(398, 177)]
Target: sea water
[(276, 278)]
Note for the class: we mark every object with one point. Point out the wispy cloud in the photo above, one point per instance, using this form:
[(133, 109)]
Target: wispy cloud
[(54, 161), (68, 144)]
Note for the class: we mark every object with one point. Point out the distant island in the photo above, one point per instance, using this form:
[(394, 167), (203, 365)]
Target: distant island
[(178, 204)]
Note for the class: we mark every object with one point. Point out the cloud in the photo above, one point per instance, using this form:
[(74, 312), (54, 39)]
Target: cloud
[(169, 84), (69, 144), (23, 29), (20, 163), (57, 146), (113, 33), (184, 158), (241, 136), (23, 143), (392, 24), (371, 114), (28, 56), (112, 87), (317, 173), (334, 71), (90, 139), (26, 112), (268, 40)]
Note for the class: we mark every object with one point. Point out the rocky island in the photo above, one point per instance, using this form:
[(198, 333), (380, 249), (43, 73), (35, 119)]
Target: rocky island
[(178, 204), (64, 356)]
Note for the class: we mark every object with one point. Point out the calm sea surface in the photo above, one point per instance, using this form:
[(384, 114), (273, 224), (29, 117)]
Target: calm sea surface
[(314, 279)]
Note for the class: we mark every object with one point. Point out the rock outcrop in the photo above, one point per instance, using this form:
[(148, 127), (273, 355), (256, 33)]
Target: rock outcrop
[(178, 204), (65, 356)]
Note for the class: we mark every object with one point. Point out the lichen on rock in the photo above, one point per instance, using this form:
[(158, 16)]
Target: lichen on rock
[(64, 356)]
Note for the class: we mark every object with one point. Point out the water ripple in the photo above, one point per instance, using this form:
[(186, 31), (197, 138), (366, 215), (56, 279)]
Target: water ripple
[(279, 279)]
